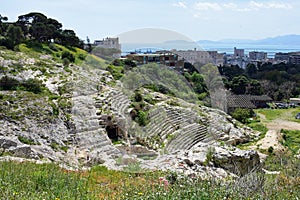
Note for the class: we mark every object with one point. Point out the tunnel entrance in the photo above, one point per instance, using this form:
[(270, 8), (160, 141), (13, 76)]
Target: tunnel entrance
[(112, 132), (112, 129)]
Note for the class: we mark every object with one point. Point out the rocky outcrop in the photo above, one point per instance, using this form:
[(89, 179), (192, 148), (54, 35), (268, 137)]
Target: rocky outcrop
[(208, 161), (223, 127), (236, 161)]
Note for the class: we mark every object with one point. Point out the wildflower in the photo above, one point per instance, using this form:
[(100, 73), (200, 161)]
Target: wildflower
[(165, 182), (140, 193), (161, 179)]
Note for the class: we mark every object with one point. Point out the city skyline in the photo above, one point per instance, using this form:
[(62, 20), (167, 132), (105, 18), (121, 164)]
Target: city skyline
[(197, 20)]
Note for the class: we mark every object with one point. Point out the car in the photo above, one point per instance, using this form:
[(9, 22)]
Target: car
[(292, 105), (281, 105), (297, 116)]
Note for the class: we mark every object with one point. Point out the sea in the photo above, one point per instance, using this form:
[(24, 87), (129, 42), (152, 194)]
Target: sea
[(227, 48), (271, 50)]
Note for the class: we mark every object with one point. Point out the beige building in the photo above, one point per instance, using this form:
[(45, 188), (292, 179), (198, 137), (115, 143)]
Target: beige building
[(239, 52), (255, 55), (203, 57)]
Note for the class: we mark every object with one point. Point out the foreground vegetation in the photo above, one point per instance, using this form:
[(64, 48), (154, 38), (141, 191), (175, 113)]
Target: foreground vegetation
[(48, 181)]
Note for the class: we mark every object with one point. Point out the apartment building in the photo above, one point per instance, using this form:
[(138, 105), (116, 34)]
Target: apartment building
[(203, 57), (258, 56)]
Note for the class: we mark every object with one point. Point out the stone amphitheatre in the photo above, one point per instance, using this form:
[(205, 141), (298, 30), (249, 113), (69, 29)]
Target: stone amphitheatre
[(182, 136)]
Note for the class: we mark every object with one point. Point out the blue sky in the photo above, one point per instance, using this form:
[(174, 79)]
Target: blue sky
[(196, 19)]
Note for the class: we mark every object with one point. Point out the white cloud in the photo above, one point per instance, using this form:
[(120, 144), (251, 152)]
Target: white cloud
[(253, 5), (208, 6), (241, 7), (180, 4), (231, 6)]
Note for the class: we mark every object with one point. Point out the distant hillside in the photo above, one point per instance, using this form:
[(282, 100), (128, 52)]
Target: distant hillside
[(279, 40), (282, 40)]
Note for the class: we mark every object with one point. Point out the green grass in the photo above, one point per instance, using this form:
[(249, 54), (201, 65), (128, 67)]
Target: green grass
[(257, 126), (26, 140), (55, 50), (291, 139), (283, 114), (48, 181)]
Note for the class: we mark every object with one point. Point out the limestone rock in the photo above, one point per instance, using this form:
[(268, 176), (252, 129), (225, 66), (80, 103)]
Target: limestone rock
[(237, 161), (25, 152), (7, 142)]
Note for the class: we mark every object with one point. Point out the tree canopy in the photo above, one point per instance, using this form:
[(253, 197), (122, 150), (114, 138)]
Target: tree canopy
[(35, 26), (279, 81)]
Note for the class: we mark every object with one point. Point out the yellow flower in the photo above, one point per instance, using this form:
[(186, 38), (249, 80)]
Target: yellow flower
[(140, 193)]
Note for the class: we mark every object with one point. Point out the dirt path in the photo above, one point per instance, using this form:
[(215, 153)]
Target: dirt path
[(279, 124), (273, 135), (271, 139)]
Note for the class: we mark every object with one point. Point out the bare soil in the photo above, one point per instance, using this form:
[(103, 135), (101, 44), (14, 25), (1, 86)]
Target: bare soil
[(279, 124), (273, 136)]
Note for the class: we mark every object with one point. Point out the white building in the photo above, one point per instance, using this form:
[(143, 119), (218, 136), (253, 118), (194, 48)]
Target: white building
[(108, 43)]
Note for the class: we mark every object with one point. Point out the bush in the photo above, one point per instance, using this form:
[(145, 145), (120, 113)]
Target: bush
[(30, 85), (116, 71), (8, 83), (142, 118), (33, 85), (241, 114), (26, 140), (68, 55), (66, 62), (7, 43), (138, 97), (81, 56), (53, 47)]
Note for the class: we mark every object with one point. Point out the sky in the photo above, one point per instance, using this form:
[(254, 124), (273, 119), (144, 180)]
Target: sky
[(195, 19)]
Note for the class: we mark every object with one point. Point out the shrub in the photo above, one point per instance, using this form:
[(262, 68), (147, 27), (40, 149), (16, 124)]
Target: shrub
[(8, 83), (33, 85), (53, 47), (138, 97), (142, 118), (68, 55), (26, 140), (241, 114), (116, 71), (6, 43), (66, 62), (81, 56)]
